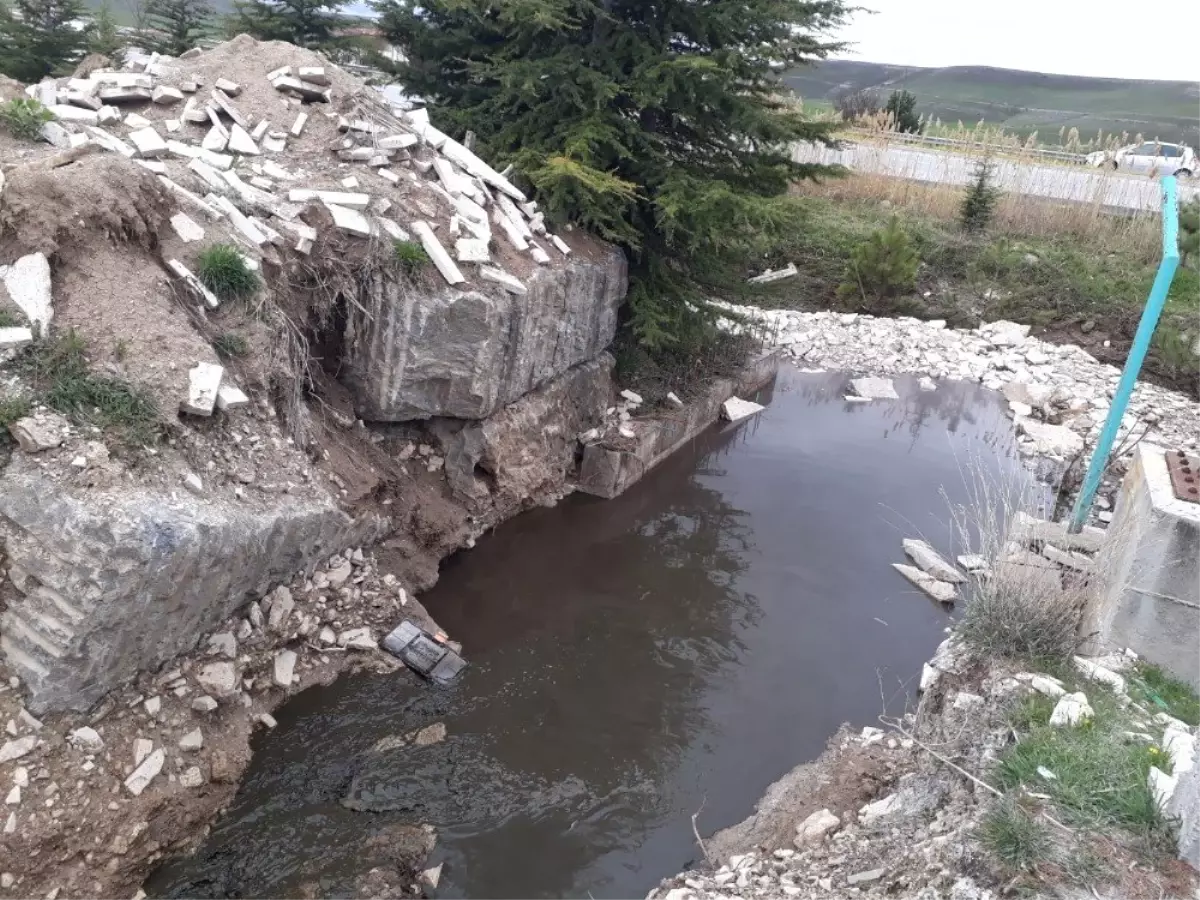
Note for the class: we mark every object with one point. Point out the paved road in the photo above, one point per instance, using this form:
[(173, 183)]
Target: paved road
[(1078, 183)]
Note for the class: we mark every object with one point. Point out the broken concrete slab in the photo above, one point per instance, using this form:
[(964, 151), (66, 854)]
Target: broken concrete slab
[(313, 75), (114, 95), (11, 338), (938, 590), (146, 772), (560, 244), (196, 285), (148, 143), (284, 668), (873, 388), (437, 253), (75, 114), (790, 271), (204, 380), (735, 409), (350, 221), (510, 283), (241, 142), (471, 250), (393, 230), (198, 202), (55, 135), (1071, 710), (397, 141), (510, 229), (1025, 528), (230, 396), (298, 126), (1051, 440), (231, 88), (133, 120), (336, 198), (166, 96), (29, 287), (216, 140), (929, 560), (306, 90), (222, 100)]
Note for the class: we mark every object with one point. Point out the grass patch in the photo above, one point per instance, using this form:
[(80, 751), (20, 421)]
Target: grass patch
[(58, 370), (1161, 690), (230, 345), (1100, 774), (11, 409), (9, 319), (410, 255), (1014, 614), (223, 271), (1019, 840), (24, 117)]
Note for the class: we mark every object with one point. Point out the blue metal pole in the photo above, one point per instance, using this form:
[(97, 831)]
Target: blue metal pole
[(1137, 353)]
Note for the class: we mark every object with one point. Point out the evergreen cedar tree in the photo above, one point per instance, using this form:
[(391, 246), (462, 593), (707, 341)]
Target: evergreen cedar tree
[(38, 39), (661, 125), (307, 23), (176, 24)]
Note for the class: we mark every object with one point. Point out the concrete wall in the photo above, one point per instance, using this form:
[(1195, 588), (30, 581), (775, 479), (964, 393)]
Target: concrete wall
[(106, 584), (1185, 806), (418, 353), (1151, 558), (606, 472)]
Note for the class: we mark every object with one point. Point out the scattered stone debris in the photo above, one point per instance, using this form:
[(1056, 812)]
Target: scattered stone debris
[(735, 409), (931, 562), (941, 591)]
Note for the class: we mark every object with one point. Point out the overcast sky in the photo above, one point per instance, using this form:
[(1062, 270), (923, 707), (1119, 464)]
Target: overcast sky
[(1117, 38)]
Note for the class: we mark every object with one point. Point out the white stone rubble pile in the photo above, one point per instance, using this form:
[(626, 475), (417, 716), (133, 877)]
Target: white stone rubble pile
[(255, 175), (1058, 394)]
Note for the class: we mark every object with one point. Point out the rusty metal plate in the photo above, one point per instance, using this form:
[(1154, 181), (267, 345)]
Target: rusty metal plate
[(1185, 475)]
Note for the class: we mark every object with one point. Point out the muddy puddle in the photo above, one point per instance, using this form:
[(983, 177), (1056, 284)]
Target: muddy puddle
[(632, 661)]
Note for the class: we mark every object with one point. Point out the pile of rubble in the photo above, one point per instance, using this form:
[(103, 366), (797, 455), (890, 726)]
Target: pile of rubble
[(915, 833), (97, 785), (1038, 554), (249, 148), (1058, 394)]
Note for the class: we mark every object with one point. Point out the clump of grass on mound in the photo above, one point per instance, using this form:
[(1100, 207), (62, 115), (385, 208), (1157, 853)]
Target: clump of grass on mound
[(410, 255), (23, 118), (223, 271), (9, 319), (1100, 775), (1016, 614), (62, 380), (230, 344), (1018, 839), (11, 409)]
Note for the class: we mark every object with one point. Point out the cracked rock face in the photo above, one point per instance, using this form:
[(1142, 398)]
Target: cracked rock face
[(417, 354)]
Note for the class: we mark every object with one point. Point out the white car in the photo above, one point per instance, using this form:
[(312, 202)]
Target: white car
[(1150, 158)]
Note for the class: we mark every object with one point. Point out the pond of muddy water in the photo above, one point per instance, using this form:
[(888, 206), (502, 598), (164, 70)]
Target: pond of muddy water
[(632, 660)]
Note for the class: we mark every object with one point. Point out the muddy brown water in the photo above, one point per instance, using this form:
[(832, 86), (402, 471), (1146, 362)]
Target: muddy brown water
[(632, 661)]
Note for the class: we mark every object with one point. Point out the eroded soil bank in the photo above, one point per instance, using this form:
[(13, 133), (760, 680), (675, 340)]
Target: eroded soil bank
[(634, 661)]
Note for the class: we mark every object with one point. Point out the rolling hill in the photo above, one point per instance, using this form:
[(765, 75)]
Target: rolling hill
[(1021, 101)]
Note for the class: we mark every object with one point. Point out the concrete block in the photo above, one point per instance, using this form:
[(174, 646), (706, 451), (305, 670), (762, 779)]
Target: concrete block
[(337, 198), (314, 75), (29, 286), (158, 167), (204, 380), (298, 125), (471, 250), (388, 175), (125, 94), (241, 142), (510, 229), (186, 228), (306, 90), (195, 284), (208, 175), (56, 136), (166, 96), (1184, 805), (279, 73), (393, 230), (349, 220), (735, 409), (75, 114), (221, 98), (198, 202), (122, 79), (107, 115), (231, 88), (133, 120), (510, 283), (146, 772), (274, 142), (350, 182), (13, 337), (929, 560), (941, 591), (560, 244), (1150, 597), (540, 256), (248, 229), (769, 276), (216, 140), (148, 143), (437, 253), (83, 100), (172, 125), (260, 129), (397, 141)]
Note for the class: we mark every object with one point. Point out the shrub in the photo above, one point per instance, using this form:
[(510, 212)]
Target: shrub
[(1189, 229), (1018, 614), (11, 409), (9, 319), (223, 271), (902, 109), (1015, 837), (979, 203), (410, 255), (24, 118), (230, 345), (855, 104), (883, 265)]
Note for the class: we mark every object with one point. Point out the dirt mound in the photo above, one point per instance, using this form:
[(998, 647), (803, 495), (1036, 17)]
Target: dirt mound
[(75, 198)]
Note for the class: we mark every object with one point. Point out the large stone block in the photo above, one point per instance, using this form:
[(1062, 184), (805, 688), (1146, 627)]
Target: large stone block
[(420, 353), (1150, 600), (102, 587)]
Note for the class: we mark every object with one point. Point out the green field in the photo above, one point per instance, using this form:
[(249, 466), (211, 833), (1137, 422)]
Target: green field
[(1022, 102)]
